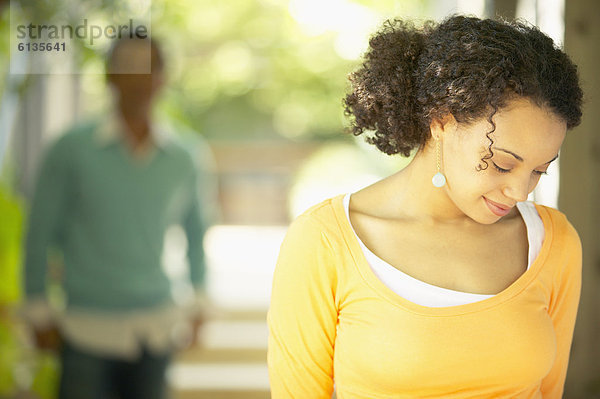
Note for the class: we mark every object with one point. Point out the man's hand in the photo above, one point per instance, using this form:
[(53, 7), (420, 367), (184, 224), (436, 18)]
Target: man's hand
[(195, 327), (47, 338)]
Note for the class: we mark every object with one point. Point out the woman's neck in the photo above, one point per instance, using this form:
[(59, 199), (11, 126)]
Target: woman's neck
[(410, 194)]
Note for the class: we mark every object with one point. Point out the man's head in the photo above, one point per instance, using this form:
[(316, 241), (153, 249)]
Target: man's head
[(135, 68)]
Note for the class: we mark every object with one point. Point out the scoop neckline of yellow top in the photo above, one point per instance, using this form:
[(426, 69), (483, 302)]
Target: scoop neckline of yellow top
[(378, 286)]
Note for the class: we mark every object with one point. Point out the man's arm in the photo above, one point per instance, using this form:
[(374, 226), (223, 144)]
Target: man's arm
[(201, 213), (47, 216), (195, 226)]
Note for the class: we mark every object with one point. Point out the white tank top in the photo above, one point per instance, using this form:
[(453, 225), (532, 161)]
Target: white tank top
[(426, 294)]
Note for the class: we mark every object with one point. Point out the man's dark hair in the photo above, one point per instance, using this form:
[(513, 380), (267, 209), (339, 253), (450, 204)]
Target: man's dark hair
[(120, 46)]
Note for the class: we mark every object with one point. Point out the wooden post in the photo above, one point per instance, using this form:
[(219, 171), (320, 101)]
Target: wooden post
[(505, 8), (579, 196)]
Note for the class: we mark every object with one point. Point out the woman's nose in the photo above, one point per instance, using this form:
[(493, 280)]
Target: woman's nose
[(518, 189)]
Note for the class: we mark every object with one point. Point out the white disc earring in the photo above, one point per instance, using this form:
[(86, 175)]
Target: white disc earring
[(438, 180)]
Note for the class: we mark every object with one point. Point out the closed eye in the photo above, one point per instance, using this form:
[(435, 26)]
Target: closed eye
[(502, 170), (499, 169)]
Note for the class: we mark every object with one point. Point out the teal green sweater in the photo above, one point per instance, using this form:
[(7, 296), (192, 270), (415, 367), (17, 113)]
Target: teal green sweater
[(108, 214)]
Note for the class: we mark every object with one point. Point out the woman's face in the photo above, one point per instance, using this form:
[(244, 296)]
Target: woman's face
[(526, 140)]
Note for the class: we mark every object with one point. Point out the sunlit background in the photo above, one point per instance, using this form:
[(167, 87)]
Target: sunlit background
[(261, 81)]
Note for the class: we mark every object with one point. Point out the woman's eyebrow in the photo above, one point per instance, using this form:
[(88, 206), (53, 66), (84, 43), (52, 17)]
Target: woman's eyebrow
[(519, 158)]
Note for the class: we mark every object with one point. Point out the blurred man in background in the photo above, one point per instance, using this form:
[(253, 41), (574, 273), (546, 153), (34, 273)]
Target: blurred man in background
[(106, 193)]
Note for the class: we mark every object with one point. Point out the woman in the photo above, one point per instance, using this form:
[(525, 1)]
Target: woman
[(440, 281)]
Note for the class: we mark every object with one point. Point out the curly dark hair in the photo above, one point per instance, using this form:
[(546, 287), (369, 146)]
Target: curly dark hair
[(465, 66)]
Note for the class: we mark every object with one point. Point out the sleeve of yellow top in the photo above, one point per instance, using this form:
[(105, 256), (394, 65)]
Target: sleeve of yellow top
[(303, 315), (563, 311)]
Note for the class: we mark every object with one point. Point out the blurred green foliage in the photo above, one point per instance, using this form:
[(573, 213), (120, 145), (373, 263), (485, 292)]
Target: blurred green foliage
[(10, 235), (250, 69), (250, 60), (21, 368), (10, 245)]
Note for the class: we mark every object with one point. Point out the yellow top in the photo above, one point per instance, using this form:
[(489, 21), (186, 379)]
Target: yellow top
[(331, 319)]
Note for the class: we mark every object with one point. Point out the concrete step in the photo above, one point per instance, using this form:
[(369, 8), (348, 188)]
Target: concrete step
[(230, 362), (200, 355), (219, 377), (222, 395)]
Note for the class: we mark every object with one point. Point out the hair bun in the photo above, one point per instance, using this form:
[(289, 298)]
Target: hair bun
[(384, 95)]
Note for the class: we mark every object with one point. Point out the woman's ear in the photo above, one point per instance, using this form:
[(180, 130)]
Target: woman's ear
[(439, 127)]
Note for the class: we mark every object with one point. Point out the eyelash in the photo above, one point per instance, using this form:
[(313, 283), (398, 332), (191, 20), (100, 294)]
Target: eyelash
[(501, 170)]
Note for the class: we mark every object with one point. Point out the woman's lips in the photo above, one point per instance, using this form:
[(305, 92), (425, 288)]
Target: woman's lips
[(497, 209)]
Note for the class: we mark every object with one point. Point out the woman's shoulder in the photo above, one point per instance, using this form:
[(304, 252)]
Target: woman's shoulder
[(559, 219), (315, 238), (324, 218), (565, 238), (325, 212)]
